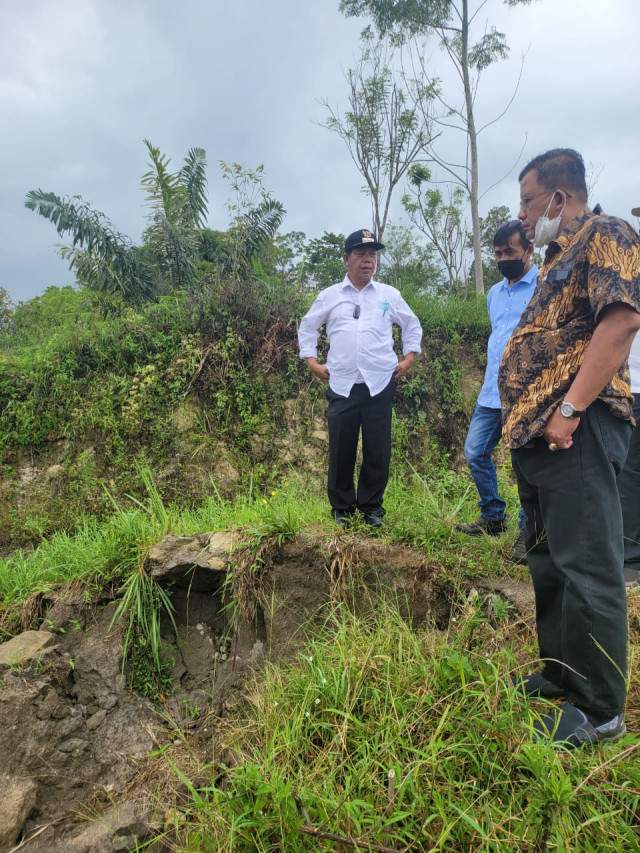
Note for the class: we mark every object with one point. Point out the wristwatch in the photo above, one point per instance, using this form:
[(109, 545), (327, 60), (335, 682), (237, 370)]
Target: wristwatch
[(568, 410)]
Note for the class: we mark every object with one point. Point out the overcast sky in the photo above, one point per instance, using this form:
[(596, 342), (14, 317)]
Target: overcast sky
[(83, 82)]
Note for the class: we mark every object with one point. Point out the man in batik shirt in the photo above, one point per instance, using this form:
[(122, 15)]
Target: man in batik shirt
[(566, 401)]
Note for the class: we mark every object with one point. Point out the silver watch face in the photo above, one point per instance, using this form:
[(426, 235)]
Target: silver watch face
[(567, 409)]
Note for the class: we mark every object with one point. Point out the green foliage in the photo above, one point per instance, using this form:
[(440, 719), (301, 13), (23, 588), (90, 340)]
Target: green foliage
[(441, 220), (178, 203), (324, 264), (409, 740), (387, 127), (102, 258), (140, 608), (279, 520), (176, 248), (408, 265), (7, 309), (256, 217), (89, 371)]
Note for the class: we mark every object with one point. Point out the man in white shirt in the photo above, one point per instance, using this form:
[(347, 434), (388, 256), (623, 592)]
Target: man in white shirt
[(362, 370)]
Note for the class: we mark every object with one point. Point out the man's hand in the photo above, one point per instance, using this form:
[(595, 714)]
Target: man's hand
[(403, 365), (559, 430), (608, 348), (320, 370)]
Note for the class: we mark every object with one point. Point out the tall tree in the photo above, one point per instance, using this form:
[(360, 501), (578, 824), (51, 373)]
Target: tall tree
[(440, 218), (324, 265), (383, 132), (451, 21)]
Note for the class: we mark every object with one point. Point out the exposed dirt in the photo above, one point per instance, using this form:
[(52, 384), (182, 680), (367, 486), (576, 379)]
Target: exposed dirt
[(75, 742)]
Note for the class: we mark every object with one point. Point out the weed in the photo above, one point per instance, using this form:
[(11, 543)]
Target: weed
[(384, 739)]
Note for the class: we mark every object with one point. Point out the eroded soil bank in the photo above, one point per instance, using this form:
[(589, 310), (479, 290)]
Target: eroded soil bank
[(81, 754)]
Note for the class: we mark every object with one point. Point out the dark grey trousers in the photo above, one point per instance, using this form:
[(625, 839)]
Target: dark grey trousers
[(629, 489), (574, 538)]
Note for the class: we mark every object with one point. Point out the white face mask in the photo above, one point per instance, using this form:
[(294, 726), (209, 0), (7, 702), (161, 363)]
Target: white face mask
[(547, 229)]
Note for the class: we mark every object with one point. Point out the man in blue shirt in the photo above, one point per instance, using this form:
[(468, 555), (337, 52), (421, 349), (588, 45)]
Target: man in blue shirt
[(362, 369), (505, 303)]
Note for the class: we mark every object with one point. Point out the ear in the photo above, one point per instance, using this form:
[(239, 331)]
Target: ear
[(560, 198)]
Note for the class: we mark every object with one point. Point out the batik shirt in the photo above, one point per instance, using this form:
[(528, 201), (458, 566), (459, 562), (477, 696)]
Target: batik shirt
[(594, 263)]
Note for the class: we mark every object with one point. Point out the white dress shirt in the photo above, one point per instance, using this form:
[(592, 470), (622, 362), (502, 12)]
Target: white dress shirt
[(634, 368), (360, 348)]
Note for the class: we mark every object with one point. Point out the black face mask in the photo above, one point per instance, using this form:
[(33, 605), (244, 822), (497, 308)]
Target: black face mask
[(511, 269)]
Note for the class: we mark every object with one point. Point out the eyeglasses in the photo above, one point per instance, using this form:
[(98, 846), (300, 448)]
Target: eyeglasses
[(356, 312), (525, 202)]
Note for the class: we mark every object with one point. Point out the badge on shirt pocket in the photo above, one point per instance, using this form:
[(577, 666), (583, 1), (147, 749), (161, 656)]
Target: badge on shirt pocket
[(560, 275), (384, 306)]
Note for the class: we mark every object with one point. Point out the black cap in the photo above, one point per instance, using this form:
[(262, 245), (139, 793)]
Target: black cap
[(364, 237)]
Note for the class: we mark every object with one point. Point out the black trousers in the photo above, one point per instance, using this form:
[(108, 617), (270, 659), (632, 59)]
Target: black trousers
[(347, 416), (629, 488), (574, 537)]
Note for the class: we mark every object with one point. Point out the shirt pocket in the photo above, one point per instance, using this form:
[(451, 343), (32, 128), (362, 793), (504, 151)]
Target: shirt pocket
[(559, 276)]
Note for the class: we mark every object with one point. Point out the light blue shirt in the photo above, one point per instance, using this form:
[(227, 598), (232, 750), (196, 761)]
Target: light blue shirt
[(505, 304), (360, 349)]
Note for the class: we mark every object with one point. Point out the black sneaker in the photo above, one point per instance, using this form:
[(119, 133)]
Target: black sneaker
[(342, 517), (490, 526), (518, 553)]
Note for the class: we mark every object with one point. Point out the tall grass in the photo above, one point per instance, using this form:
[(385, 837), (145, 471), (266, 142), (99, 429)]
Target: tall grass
[(382, 738)]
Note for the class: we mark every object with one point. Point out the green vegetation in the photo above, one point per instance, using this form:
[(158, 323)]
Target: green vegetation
[(382, 738), (89, 394), (127, 414), (378, 735)]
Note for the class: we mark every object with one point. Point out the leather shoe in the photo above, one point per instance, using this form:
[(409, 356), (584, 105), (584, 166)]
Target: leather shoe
[(518, 553), (631, 578), (342, 517), (570, 728), (490, 526), (374, 518), (537, 687)]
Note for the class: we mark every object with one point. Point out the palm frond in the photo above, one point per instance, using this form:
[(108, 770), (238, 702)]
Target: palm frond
[(255, 229), (164, 190), (89, 229), (194, 179)]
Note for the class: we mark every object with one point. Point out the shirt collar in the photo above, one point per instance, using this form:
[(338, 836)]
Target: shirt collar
[(346, 283), (564, 240), (526, 278)]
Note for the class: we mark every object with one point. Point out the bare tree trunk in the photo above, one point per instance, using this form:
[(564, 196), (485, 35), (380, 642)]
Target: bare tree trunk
[(473, 150)]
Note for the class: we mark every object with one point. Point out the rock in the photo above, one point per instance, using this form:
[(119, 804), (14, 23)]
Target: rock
[(75, 745), (25, 647), (96, 720), (60, 615), (198, 652), (121, 828), (18, 799), (174, 558)]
